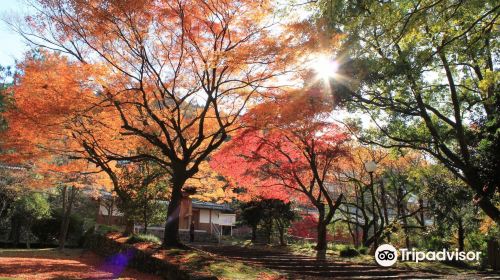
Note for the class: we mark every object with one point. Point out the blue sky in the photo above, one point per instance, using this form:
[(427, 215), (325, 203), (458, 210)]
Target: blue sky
[(12, 45)]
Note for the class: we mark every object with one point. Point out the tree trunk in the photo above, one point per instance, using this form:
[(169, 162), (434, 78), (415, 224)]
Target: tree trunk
[(28, 235), (491, 210), (351, 232), (282, 238), (171, 237), (374, 211), (365, 232), (2, 209), (15, 231), (406, 231), (268, 226), (129, 225), (461, 235), (254, 233), (281, 230), (145, 218), (357, 243), (66, 214), (110, 210), (421, 213), (322, 242), (383, 199), (402, 213)]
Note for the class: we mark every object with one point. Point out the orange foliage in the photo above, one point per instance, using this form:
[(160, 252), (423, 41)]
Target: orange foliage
[(48, 99), (162, 81)]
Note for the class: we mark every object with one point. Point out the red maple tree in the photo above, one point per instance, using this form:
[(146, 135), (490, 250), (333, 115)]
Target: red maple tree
[(289, 151)]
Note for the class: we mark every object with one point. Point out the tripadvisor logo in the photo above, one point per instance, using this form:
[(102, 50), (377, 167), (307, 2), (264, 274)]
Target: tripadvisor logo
[(387, 255)]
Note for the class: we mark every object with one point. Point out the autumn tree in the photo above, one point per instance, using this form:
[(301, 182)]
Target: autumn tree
[(281, 216), (362, 208), (140, 190), (137, 186), (251, 215), (29, 208), (41, 119), (53, 134), (178, 73), (40, 113), (70, 184), (69, 177), (448, 198), (394, 202), (270, 214), (43, 175), (426, 72), (288, 151)]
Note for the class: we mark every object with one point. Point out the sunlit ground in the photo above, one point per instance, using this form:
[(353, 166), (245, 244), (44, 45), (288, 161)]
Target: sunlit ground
[(52, 264)]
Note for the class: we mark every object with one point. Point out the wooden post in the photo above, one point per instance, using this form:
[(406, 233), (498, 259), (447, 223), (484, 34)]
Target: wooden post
[(189, 214), (209, 219)]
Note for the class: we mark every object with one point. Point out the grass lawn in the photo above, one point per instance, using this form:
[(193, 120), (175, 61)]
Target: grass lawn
[(37, 264)]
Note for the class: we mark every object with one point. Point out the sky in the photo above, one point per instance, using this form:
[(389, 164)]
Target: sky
[(12, 45)]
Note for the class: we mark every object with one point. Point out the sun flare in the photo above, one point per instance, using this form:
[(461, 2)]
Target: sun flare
[(325, 67)]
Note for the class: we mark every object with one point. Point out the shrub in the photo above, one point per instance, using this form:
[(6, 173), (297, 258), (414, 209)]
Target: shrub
[(47, 229), (85, 237), (105, 229), (337, 246), (434, 243), (349, 252), (363, 250), (139, 237)]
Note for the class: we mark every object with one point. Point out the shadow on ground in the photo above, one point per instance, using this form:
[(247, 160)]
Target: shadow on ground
[(303, 267)]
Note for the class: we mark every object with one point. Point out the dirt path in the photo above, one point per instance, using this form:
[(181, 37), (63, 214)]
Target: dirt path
[(303, 267), (38, 264)]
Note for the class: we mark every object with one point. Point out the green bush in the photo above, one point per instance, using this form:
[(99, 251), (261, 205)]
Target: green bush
[(363, 250), (47, 229), (349, 252), (434, 240), (337, 247), (140, 237), (105, 229)]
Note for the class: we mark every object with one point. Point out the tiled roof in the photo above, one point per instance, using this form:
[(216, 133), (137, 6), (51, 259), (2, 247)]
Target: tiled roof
[(210, 205)]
